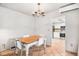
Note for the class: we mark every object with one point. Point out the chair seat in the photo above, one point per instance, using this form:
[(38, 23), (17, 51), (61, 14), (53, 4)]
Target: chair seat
[(7, 53)]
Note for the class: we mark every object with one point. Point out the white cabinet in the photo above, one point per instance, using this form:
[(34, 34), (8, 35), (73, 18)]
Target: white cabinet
[(56, 34)]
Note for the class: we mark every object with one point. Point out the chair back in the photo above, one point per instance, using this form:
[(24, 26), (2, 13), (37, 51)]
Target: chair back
[(26, 35), (41, 41)]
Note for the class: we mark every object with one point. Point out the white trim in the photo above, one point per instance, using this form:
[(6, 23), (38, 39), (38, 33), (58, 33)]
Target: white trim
[(68, 8)]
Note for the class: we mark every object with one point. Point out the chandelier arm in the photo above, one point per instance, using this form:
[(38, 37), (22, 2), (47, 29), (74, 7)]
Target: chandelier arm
[(39, 12)]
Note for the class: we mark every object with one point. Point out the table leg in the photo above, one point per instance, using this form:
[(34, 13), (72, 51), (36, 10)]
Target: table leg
[(27, 50), (21, 49), (44, 46)]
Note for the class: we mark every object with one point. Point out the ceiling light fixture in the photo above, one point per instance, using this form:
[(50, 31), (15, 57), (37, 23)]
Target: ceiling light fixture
[(39, 11)]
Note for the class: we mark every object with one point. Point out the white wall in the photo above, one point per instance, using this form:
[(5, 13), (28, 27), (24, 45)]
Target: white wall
[(44, 25), (72, 30), (72, 27), (14, 24)]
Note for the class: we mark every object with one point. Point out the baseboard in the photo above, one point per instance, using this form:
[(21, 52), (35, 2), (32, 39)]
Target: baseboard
[(75, 53), (48, 45)]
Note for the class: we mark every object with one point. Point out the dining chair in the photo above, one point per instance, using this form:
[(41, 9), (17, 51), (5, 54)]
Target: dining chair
[(40, 44)]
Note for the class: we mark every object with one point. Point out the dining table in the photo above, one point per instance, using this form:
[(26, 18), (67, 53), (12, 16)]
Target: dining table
[(29, 42)]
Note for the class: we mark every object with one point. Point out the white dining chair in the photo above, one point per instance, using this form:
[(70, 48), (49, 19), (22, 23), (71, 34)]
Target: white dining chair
[(42, 41), (26, 35), (21, 45)]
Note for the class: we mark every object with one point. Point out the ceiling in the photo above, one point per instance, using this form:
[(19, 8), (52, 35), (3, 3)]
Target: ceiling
[(28, 8)]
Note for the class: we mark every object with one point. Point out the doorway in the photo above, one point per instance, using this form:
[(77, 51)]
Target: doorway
[(58, 29), (58, 34)]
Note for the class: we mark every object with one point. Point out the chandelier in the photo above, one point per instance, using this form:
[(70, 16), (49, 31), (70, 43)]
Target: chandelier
[(39, 11)]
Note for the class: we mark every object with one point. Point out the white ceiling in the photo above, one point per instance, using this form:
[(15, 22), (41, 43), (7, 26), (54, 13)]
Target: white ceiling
[(28, 8)]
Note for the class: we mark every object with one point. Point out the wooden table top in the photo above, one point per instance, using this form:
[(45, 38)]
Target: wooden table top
[(30, 39)]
